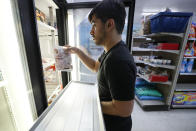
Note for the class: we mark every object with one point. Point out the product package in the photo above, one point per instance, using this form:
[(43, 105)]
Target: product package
[(189, 66), (62, 59), (184, 98)]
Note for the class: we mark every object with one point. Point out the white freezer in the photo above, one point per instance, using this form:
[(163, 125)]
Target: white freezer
[(77, 108)]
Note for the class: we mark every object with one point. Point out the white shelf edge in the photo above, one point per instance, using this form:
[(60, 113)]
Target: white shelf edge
[(191, 73), (155, 50), (156, 65), (186, 57), (185, 87), (2, 83), (191, 38), (149, 102), (45, 26), (166, 83), (184, 106), (65, 70), (164, 34), (54, 92)]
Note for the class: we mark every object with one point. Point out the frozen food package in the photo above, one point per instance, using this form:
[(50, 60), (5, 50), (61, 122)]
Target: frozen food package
[(62, 59)]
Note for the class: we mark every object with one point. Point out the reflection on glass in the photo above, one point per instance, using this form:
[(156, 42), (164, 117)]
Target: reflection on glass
[(82, 38)]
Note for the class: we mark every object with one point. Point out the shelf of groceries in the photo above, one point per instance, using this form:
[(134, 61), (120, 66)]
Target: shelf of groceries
[(158, 53), (138, 49)]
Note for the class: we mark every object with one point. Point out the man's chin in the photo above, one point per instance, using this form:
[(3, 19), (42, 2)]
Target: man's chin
[(97, 43)]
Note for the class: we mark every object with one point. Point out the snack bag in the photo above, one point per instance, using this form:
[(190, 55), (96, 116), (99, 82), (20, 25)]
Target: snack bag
[(62, 59)]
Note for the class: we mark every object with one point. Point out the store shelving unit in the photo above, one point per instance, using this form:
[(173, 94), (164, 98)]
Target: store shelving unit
[(185, 87), (48, 40), (165, 83), (186, 82), (156, 65), (166, 88), (138, 49), (184, 106)]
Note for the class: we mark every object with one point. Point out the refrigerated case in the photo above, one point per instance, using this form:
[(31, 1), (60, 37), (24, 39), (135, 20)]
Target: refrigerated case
[(21, 61), (18, 109)]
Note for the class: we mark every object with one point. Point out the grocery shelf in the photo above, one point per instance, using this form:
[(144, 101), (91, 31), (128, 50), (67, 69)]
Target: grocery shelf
[(184, 106), (191, 73), (66, 70), (44, 29), (185, 87), (156, 65), (2, 83), (142, 39), (55, 92), (164, 34), (46, 66), (151, 105), (194, 57), (191, 38), (138, 49), (143, 77)]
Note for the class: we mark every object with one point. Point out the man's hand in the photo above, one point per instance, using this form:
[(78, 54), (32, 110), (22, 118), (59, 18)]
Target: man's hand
[(118, 108), (88, 61), (70, 49)]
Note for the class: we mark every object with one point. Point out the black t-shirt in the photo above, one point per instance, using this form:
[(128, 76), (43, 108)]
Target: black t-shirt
[(117, 74), (116, 80)]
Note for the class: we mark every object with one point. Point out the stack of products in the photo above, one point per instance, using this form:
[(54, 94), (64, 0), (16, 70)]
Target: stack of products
[(187, 66), (190, 49), (160, 46), (192, 33), (154, 60), (40, 15), (153, 75), (184, 98), (147, 91)]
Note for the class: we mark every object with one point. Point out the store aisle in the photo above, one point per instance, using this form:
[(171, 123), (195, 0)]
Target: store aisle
[(173, 120)]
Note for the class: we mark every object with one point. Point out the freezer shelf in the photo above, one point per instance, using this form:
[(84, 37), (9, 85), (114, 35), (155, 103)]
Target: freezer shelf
[(77, 108)]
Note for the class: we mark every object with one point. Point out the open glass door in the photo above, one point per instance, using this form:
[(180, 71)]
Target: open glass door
[(79, 35)]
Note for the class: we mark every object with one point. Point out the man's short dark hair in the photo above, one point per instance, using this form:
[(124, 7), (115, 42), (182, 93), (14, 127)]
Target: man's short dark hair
[(108, 9)]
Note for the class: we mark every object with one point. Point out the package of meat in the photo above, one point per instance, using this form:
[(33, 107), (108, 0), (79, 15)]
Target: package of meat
[(62, 59)]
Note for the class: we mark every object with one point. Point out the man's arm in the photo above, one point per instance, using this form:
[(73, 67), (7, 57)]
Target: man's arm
[(118, 108), (88, 61)]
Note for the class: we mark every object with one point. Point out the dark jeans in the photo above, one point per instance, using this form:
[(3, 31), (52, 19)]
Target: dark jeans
[(116, 123)]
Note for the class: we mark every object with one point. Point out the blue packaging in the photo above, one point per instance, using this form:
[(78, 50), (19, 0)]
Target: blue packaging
[(183, 66), (172, 22), (189, 66)]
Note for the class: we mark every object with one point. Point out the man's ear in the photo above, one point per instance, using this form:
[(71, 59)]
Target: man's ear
[(110, 24)]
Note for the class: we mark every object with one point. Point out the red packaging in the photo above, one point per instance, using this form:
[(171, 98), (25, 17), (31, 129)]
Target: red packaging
[(192, 32), (168, 46), (158, 78)]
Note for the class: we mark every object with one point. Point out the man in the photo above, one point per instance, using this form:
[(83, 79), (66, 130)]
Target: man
[(116, 71)]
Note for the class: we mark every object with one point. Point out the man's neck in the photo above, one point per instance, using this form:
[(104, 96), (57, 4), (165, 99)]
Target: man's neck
[(111, 42)]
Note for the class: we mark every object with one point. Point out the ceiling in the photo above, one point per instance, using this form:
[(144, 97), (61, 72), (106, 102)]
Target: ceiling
[(140, 7), (160, 5)]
